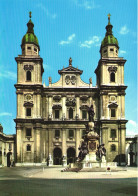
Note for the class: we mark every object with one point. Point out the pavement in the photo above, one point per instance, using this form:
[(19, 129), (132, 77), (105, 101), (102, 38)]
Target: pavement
[(55, 173), (50, 181)]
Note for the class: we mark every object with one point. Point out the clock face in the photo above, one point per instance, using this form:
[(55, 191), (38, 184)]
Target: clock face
[(28, 97)]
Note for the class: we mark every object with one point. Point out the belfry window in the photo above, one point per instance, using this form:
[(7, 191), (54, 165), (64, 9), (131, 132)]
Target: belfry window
[(113, 113), (113, 148), (35, 49), (56, 114), (28, 147), (70, 113), (84, 114), (113, 133), (112, 77), (28, 111), (28, 76), (28, 132)]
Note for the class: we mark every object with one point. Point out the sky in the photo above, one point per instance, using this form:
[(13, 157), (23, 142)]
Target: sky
[(67, 28)]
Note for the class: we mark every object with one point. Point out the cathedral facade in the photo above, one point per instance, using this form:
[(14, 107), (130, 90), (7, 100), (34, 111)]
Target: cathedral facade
[(51, 119)]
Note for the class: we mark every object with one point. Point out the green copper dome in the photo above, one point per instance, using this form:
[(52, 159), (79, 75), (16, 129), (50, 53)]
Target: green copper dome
[(109, 38), (30, 37)]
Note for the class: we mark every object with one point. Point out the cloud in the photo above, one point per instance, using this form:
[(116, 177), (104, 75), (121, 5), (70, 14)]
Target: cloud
[(92, 41), (68, 41), (88, 5), (132, 128), (122, 52), (124, 30), (5, 114), (43, 8), (8, 74), (46, 66)]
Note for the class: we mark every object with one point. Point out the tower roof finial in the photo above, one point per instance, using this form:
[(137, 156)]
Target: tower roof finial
[(109, 18), (30, 14), (70, 61)]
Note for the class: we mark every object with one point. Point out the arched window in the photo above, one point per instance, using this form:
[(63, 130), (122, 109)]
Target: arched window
[(70, 113), (28, 147), (28, 76), (112, 77), (113, 148)]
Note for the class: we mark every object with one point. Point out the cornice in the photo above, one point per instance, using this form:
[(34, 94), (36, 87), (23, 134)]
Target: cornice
[(28, 59)]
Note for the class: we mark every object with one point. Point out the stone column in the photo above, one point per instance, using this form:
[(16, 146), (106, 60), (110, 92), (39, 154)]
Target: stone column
[(64, 146), (39, 106), (101, 106), (123, 106), (123, 144), (19, 149), (78, 106), (119, 107), (77, 141), (38, 143), (64, 107), (20, 112), (50, 105)]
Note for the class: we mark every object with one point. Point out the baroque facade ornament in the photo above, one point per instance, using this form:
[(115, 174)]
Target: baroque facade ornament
[(112, 69), (28, 67), (71, 79), (70, 102), (67, 79)]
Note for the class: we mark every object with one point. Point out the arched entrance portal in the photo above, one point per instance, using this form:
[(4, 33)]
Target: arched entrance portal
[(8, 159), (57, 154), (71, 155)]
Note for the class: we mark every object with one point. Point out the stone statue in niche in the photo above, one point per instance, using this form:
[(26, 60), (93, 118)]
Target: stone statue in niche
[(91, 113)]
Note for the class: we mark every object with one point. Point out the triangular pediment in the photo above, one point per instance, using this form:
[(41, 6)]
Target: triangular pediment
[(70, 69)]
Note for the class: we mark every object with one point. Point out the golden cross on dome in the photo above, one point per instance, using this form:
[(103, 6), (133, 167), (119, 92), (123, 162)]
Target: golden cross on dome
[(109, 17), (30, 14)]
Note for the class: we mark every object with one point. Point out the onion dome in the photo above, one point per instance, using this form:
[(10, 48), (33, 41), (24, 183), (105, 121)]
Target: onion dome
[(30, 37), (109, 38)]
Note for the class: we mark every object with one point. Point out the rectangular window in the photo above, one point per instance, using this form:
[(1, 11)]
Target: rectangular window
[(29, 48), (57, 133), (35, 49), (28, 147), (28, 111), (28, 132), (71, 133), (84, 114), (57, 114), (111, 49), (113, 113), (113, 133)]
